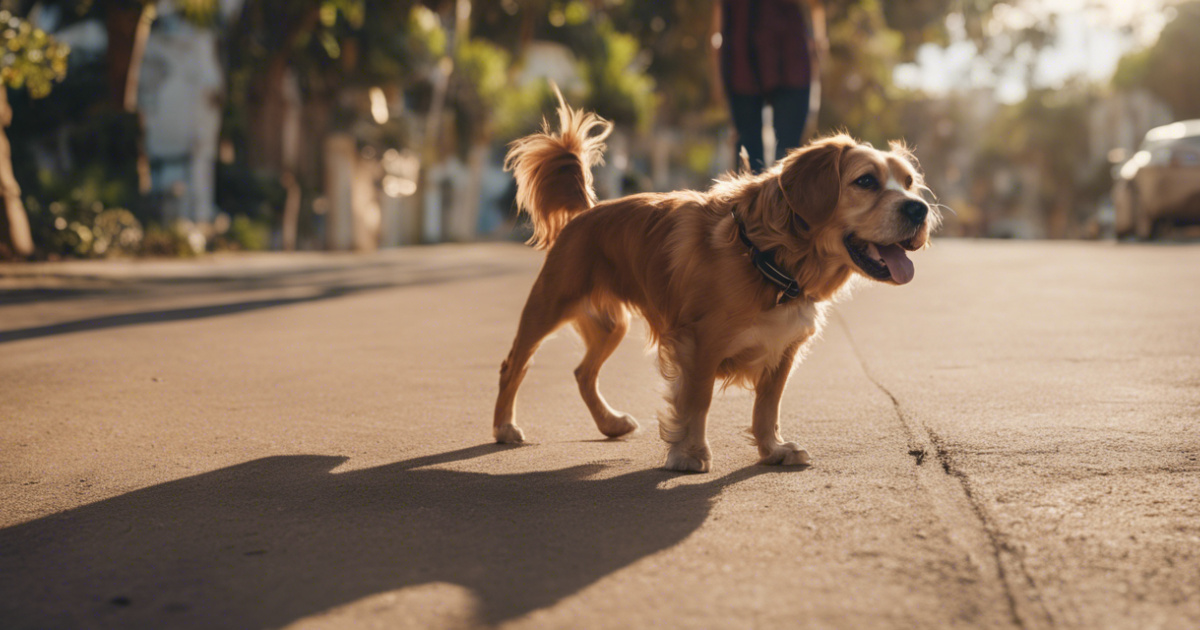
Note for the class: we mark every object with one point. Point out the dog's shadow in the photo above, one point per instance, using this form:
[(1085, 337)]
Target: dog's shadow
[(270, 541)]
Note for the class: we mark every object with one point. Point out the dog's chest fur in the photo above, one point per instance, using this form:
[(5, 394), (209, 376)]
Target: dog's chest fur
[(762, 344)]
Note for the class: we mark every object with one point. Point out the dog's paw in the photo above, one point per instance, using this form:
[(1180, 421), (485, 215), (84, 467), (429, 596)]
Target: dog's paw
[(617, 426), (789, 454), (508, 434), (680, 460)]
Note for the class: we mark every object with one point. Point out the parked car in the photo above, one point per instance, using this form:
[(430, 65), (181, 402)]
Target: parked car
[(1160, 185)]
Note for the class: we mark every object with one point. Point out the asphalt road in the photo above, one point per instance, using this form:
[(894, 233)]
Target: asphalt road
[(1010, 441)]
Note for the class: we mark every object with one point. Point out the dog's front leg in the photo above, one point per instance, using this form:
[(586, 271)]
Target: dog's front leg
[(683, 426), (765, 426)]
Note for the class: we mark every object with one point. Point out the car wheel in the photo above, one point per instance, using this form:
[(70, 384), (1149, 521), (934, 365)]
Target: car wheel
[(1158, 229), (1143, 224), (1124, 221)]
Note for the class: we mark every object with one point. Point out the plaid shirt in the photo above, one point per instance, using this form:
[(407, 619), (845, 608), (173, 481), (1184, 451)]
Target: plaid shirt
[(765, 45)]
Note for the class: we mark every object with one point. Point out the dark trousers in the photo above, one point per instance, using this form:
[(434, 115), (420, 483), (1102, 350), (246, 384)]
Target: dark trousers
[(790, 106)]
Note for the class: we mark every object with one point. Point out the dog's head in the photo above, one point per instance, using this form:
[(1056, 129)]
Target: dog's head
[(862, 206)]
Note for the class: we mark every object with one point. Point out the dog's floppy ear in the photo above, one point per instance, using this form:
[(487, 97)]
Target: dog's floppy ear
[(812, 178)]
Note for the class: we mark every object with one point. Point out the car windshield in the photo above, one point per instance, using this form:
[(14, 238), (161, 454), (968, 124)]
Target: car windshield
[(1185, 131), (1151, 145)]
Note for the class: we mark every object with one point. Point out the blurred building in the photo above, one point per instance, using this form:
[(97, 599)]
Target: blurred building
[(180, 95)]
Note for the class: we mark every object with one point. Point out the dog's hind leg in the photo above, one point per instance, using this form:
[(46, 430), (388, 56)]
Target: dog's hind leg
[(544, 312), (602, 331), (765, 427)]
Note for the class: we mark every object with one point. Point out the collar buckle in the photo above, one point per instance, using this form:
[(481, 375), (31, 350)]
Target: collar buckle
[(789, 289)]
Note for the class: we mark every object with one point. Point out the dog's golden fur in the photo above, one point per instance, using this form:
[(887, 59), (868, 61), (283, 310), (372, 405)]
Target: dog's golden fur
[(676, 260)]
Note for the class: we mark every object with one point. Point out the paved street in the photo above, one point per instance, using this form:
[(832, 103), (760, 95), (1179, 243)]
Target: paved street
[(1010, 441)]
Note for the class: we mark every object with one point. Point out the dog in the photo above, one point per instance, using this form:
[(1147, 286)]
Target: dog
[(732, 282)]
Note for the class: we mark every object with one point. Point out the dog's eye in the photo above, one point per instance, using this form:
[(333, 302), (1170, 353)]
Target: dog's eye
[(908, 182), (867, 182)]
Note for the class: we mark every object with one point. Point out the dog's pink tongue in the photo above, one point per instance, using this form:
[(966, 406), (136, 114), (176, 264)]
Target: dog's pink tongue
[(897, 262)]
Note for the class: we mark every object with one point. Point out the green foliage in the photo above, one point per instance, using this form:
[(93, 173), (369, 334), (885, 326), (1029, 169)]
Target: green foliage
[(857, 92), (1049, 125), (82, 219), (1132, 69), (249, 235), (82, 215), (619, 89), (90, 188), (29, 57), (242, 191), (103, 163), (331, 15), (610, 62), (522, 109), (399, 43), (699, 155), (667, 71), (1048, 131), (167, 241), (576, 13), (925, 21), (200, 12), (505, 109), (485, 66), (426, 36), (353, 11), (1169, 68)]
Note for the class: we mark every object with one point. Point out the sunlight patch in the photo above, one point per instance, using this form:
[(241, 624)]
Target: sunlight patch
[(437, 605)]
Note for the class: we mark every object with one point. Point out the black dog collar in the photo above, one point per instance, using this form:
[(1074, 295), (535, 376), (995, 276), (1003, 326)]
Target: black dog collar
[(789, 289)]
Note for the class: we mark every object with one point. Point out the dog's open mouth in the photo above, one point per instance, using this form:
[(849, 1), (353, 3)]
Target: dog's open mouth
[(881, 262)]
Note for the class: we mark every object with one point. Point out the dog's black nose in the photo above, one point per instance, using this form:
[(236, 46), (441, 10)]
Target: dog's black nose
[(915, 211)]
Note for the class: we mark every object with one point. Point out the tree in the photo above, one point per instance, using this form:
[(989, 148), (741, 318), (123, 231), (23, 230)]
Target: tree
[(673, 40), (127, 24), (856, 78), (35, 61), (1048, 130), (612, 61), (319, 44), (272, 37), (1169, 68)]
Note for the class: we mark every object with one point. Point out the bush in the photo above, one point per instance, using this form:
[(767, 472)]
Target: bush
[(173, 241), (248, 234), (82, 215)]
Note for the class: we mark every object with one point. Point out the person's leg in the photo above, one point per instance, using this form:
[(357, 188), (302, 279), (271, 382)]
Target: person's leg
[(747, 111), (790, 107)]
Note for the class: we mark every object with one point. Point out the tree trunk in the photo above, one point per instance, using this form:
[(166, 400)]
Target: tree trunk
[(431, 142), (137, 53), (291, 210), (266, 152), (18, 223), (122, 24), (271, 148), (467, 206), (128, 30)]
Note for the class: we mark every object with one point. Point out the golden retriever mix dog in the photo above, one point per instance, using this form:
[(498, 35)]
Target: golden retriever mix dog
[(733, 282)]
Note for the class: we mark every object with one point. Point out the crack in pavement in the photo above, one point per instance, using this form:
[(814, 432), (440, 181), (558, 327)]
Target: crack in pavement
[(1009, 561), (967, 522)]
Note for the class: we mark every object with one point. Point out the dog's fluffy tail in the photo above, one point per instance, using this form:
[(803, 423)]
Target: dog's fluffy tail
[(554, 170)]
